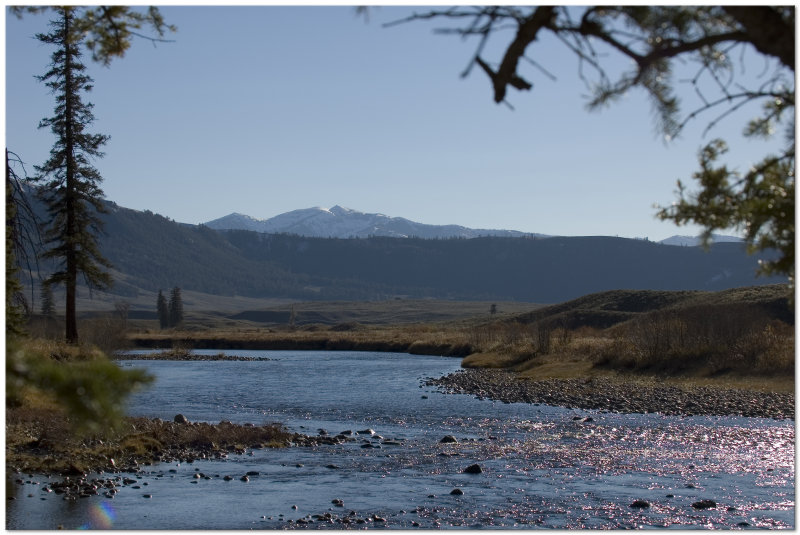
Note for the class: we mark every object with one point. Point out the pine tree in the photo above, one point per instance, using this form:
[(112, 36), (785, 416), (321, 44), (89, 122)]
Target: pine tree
[(175, 307), (71, 189), (163, 310), (48, 304), (15, 312)]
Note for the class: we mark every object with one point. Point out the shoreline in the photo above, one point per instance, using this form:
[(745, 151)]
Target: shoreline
[(41, 442), (617, 395), (147, 441), (591, 393)]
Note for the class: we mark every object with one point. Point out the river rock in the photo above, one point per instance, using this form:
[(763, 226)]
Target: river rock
[(180, 419), (448, 439), (615, 396), (640, 504), (473, 469), (457, 492), (705, 504)]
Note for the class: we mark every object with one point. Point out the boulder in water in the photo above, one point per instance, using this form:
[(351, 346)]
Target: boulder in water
[(473, 469)]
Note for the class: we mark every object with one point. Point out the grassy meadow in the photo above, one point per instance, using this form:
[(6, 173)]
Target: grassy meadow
[(740, 338)]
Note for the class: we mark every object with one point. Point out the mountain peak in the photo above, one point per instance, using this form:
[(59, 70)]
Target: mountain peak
[(341, 222), (340, 210)]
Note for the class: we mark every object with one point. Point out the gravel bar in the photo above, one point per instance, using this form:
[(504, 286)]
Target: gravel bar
[(617, 396)]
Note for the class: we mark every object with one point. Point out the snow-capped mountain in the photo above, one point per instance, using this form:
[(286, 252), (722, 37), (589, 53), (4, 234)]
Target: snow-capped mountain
[(694, 241), (339, 222)]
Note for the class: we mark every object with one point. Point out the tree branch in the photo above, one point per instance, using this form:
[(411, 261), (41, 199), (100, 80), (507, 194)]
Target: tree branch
[(767, 30), (506, 75)]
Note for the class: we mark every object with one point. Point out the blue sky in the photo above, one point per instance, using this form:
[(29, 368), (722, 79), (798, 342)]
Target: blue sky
[(263, 109)]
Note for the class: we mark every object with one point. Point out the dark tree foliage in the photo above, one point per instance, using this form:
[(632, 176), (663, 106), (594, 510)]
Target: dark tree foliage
[(705, 43), (48, 304), (92, 391), (163, 310), (107, 31), (16, 208), (175, 307), (70, 185)]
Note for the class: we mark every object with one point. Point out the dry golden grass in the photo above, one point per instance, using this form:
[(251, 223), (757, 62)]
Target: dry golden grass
[(413, 338), (743, 337), (561, 353), (60, 351)]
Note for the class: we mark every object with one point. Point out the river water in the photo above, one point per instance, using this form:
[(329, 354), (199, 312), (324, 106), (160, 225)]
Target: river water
[(541, 466)]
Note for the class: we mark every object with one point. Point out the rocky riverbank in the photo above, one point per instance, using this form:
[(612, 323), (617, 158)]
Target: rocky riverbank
[(184, 355), (617, 396), (41, 442)]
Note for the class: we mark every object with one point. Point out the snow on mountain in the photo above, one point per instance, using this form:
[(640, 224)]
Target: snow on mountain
[(694, 241), (340, 222), (236, 220)]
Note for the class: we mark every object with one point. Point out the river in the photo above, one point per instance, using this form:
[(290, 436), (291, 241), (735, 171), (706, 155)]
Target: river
[(540, 466)]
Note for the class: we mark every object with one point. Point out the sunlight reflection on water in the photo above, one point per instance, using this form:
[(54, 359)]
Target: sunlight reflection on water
[(541, 466)]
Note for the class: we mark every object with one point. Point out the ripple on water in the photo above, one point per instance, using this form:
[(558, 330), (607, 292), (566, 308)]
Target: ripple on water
[(541, 466)]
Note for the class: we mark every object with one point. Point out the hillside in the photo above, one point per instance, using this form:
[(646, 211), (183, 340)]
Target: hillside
[(605, 309), (526, 269), (150, 252)]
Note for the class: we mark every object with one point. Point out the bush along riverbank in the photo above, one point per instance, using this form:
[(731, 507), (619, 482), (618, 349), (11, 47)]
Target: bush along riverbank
[(615, 395)]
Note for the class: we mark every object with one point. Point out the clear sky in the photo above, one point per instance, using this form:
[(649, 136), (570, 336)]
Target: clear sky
[(262, 110)]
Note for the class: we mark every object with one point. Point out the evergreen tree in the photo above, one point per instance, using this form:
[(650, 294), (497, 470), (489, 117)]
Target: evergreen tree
[(163, 310), (175, 307), (71, 189), (15, 311), (48, 304)]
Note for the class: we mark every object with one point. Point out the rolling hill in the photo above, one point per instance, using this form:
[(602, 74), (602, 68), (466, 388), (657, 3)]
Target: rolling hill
[(151, 252)]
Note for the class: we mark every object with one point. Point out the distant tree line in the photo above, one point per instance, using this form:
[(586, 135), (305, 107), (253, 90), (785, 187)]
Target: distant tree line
[(170, 314)]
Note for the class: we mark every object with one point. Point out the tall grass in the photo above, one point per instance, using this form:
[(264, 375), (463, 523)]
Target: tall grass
[(107, 332), (718, 338)]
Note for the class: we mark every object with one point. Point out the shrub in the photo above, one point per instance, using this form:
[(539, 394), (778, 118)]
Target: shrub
[(725, 337), (80, 379)]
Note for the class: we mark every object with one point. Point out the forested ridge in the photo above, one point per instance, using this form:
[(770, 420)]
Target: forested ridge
[(154, 252)]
